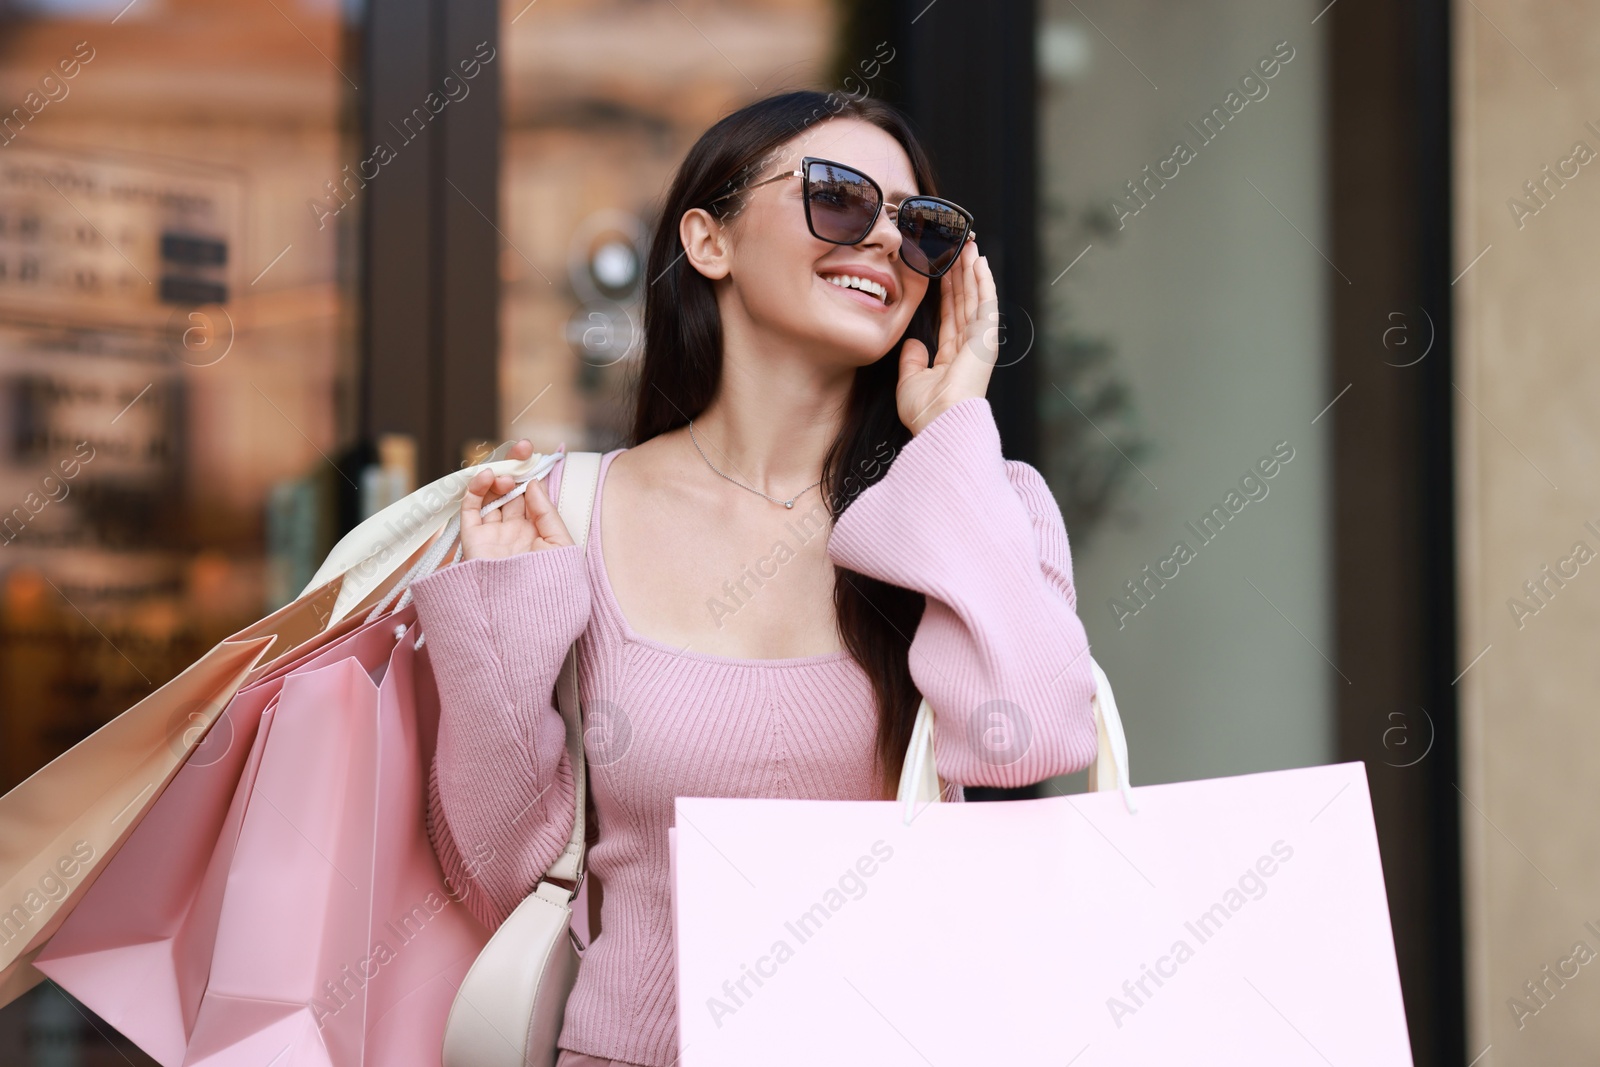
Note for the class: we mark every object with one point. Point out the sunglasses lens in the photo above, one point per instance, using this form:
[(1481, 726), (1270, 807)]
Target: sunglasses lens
[(933, 233), (843, 204)]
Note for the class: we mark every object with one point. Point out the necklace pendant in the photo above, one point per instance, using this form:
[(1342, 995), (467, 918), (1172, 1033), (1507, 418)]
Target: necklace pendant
[(788, 503)]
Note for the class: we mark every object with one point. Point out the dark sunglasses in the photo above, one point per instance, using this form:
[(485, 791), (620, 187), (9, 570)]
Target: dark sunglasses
[(842, 206)]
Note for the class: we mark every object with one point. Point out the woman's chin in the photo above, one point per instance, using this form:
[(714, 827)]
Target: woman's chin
[(859, 343), (834, 338), (860, 351)]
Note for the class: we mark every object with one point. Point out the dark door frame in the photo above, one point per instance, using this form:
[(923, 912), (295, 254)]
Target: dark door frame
[(1394, 480), (430, 246), (964, 72)]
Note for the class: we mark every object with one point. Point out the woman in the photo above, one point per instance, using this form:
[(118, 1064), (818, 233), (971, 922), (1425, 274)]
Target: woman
[(813, 525)]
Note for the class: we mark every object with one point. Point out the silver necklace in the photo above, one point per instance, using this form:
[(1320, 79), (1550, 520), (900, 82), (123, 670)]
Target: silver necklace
[(786, 503)]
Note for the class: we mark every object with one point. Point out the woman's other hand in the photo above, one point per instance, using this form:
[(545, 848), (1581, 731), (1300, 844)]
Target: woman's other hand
[(969, 345), (525, 524)]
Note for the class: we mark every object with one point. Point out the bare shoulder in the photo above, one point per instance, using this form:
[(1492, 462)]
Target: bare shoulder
[(650, 481), (645, 468)]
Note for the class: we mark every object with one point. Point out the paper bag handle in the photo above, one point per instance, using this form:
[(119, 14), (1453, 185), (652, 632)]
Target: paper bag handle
[(919, 779), (368, 555)]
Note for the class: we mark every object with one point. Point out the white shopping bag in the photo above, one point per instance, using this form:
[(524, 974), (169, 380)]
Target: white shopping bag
[(1231, 921)]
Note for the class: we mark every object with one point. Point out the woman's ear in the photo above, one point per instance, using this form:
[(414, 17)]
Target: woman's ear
[(705, 243)]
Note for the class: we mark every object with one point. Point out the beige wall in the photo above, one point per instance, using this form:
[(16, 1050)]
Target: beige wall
[(1528, 449)]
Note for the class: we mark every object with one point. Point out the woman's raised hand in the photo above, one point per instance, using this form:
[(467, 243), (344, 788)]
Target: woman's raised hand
[(969, 345), (524, 524)]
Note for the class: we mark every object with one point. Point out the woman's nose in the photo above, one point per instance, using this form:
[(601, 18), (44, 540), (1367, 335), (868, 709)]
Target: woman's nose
[(884, 233)]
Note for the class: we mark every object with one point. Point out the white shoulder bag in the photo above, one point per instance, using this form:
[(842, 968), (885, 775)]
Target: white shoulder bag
[(509, 1009)]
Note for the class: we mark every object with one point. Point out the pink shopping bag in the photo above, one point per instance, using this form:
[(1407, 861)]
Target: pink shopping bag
[(138, 948), (1236, 920), (321, 924)]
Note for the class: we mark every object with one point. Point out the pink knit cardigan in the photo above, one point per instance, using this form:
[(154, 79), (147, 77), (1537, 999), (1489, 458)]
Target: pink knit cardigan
[(1000, 655)]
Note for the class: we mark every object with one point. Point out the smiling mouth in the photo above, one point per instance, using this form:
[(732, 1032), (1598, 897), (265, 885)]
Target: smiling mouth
[(862, 285)]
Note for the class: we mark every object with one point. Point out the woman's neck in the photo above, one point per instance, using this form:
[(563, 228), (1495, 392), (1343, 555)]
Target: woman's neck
[(775, 415)]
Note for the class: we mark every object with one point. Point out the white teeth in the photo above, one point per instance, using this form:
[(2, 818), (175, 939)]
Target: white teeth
[(866, 285)]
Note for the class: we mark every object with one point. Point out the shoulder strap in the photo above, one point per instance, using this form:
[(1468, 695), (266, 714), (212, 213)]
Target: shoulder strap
[(580, 481)]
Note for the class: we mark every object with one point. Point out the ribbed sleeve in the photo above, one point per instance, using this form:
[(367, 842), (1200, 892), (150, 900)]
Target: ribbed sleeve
[(1000, 654), (501, 784)]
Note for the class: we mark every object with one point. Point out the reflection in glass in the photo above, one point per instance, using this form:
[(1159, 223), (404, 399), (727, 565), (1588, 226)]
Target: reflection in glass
[(602, 100), (1184, 341), (176, 360)]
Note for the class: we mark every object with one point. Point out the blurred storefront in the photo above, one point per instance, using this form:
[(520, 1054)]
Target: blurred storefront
[(177, 354), (176, 338)]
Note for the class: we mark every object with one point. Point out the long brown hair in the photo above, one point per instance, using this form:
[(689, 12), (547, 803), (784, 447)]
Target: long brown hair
[(681, 368)]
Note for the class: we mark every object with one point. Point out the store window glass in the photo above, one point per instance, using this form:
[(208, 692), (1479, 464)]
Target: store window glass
[(177, 351), (602, 101), (1184, 290)]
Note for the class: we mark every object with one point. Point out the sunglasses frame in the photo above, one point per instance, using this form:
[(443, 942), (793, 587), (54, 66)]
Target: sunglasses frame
[(804, 174)]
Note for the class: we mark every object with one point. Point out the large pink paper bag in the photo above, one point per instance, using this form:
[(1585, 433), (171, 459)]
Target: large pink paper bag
[(339, 943), (1236, 920)]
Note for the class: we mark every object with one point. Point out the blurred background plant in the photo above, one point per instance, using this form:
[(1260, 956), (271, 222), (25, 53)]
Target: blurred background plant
[(1090, 433)]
